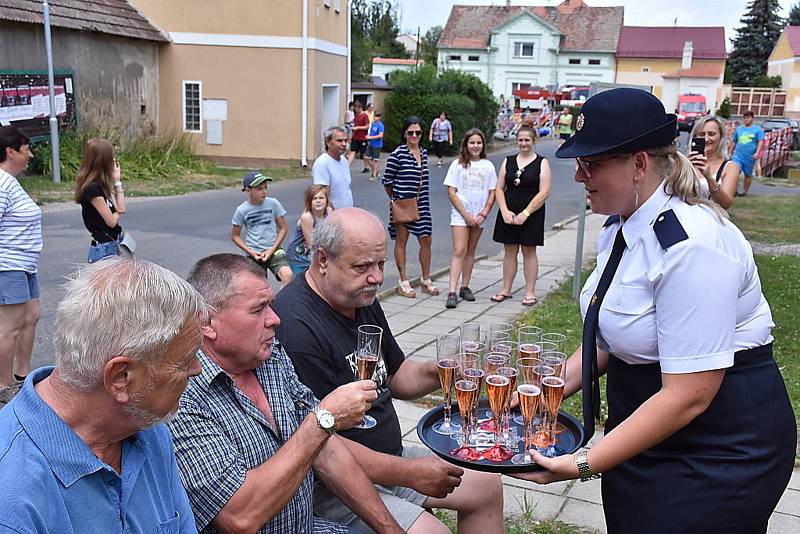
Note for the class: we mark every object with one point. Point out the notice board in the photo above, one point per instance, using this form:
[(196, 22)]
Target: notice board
[(25, 101)]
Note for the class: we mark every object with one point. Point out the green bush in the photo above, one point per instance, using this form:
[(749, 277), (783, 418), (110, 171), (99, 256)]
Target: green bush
[(724, 109), (143, 157), (468, 102)]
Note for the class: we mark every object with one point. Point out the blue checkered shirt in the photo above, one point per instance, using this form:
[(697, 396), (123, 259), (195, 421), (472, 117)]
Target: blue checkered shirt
[(219, 435)]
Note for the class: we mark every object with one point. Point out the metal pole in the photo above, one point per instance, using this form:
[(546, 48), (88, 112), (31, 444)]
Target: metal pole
[(54, 148), (576, 278)]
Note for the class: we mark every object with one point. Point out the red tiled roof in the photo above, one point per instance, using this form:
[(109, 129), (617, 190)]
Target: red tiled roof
[(585, 28), (115, 17), (793, 34), (700, 71), (668, 41), (395, 61)]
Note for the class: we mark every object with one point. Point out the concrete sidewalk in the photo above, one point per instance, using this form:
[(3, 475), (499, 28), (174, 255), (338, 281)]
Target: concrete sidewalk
[(416, 323)]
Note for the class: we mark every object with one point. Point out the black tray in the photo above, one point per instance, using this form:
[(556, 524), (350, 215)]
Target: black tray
[(568, 441)]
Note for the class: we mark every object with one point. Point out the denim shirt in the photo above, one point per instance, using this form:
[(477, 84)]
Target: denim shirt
[(50, 481)]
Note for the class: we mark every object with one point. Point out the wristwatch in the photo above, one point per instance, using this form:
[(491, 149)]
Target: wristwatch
[(325, 420), (582, 462)]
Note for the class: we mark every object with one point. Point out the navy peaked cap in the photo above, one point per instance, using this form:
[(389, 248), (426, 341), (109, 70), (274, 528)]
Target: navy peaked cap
[(620, 121)]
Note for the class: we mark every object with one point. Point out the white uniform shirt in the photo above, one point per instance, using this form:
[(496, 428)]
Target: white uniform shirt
[(689, 307)]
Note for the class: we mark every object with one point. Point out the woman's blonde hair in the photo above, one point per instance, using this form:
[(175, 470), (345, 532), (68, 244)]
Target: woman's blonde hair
[(97, 165), (683, 179), (722, 146)]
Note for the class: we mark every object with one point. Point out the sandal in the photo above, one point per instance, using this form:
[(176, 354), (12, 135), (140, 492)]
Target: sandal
[(500, 297), (529, 301), (428, 287), (405, 290)]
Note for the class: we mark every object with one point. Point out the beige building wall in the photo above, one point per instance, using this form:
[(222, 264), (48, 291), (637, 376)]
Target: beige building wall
[(629, 70), (250, 56), (783, 63)]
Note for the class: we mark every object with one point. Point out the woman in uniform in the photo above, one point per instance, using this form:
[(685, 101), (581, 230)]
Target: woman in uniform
[(700, 434)]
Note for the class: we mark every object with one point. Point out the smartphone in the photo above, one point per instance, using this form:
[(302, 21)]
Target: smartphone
[(698, 145)]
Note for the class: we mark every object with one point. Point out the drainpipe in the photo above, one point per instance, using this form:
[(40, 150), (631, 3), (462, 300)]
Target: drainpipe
[(348, 83), (304, 90)]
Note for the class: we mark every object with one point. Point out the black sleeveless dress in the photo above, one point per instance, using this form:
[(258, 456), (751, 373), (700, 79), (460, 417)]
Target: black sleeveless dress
[(531, 232)]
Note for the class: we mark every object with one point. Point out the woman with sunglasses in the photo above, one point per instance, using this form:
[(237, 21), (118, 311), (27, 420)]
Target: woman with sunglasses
[(405, 177), (700, 434)]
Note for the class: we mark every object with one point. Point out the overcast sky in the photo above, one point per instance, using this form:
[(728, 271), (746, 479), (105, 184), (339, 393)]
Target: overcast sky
[(427, 13)]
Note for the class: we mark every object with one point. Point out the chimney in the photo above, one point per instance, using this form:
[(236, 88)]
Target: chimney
[(688, 49), (508, 3)]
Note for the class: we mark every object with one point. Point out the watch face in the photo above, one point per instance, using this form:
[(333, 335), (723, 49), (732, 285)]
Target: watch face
[(326, 420)]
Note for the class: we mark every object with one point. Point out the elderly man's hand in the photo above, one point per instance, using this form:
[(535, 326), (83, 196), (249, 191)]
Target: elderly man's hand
[(435, 477), (349, 403)]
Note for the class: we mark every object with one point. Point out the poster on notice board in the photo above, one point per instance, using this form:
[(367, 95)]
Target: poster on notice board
[(25, 101)]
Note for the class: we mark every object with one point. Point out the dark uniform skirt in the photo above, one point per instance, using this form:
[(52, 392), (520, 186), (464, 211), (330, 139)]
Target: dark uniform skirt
[(722, 473)]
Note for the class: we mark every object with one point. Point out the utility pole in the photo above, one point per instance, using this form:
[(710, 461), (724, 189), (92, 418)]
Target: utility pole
[(48, 43), (416, 54)]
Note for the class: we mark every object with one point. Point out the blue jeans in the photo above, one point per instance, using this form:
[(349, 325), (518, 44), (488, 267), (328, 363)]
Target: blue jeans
[(103, 250)]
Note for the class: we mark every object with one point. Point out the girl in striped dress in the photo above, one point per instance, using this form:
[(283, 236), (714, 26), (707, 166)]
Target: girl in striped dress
[(406, 176)]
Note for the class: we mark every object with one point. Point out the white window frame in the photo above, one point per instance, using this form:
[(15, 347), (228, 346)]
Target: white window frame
[(337, 6), (199, 84), (519, 49), (327, 3)]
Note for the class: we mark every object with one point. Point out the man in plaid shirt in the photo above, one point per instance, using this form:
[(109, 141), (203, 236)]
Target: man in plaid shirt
[(248, 432)]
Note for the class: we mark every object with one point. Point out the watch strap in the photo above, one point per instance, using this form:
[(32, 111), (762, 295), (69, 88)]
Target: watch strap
[(582, 461), (331, 431)]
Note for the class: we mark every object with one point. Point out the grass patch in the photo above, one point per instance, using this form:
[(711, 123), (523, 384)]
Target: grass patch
[(524, 524), (768, 219)]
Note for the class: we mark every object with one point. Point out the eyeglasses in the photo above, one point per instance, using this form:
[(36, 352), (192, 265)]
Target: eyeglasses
[(586, 165), (413, 133)]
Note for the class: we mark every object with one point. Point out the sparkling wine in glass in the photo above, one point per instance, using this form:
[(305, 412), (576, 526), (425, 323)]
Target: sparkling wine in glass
[(497, 388), (491, 362), (560, 340), (466, 395), (368, 353), (447, 359), (471, 370), (509, 438), (526, 375), (529, 395), (552, 395)]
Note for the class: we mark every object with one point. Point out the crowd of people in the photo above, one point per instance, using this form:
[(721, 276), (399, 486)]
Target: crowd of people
[(216, 405)]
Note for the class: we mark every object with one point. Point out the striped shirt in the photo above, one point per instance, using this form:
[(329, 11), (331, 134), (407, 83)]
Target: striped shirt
[(220, 434), (20, 227), (403, 175)]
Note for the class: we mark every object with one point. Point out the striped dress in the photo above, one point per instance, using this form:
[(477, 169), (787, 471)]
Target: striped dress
[(403, 174), (20, 227)]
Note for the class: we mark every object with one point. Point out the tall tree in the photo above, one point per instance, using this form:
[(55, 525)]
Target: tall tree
[(794, 15), (428, 46), (374, 31), (761, 27)]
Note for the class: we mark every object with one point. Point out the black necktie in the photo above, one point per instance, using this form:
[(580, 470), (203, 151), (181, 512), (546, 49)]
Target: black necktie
[(591, 376)]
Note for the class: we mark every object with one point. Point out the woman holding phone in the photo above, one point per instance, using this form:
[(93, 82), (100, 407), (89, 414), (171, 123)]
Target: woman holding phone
[(721, 174)]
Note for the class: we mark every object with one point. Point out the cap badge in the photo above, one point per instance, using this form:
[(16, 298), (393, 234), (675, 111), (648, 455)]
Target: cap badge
[(579, 123)]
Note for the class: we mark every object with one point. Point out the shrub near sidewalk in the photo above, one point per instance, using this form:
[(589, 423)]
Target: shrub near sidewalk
[(151, 166)]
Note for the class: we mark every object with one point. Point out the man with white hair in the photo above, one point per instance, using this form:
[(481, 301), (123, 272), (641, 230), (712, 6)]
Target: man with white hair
[(82, 447)]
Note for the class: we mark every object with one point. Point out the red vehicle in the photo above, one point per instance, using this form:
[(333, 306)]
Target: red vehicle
[(573, 96), (690, 108), (530, 97)]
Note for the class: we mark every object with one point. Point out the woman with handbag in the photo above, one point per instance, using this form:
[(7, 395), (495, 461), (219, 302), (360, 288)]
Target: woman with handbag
[(99, 191), (406, 181)]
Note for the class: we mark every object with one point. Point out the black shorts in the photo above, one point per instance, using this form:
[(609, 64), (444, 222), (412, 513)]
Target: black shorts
[(565, 136), (359, 147), (439, 148)]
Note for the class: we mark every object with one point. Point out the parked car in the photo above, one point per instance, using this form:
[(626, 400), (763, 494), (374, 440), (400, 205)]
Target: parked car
[(779, 124), (690, 108)]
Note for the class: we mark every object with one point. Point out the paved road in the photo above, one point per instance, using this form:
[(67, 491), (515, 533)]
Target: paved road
[(176, 231)]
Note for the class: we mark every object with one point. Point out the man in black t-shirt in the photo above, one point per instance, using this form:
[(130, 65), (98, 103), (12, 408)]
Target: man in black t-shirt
[(320, 313)]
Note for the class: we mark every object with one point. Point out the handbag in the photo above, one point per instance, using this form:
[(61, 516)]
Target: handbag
[(128, 242), (405, 210)]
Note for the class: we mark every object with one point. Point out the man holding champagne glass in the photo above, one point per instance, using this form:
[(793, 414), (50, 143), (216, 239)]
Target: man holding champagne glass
[(320, 315)]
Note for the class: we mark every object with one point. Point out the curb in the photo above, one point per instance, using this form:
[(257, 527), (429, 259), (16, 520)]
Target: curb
[(561, 224)]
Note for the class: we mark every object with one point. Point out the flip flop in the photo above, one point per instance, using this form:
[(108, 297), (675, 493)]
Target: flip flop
[(529, 301), (500, 297)]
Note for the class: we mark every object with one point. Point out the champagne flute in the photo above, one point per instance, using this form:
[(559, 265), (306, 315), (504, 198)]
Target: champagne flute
[(552, 395), (470, 332), (473, 347), (466, 394), (559, 339), (471, 370), (491, 362), (556, 360), (529, 338), (447, 350), (505, 418), (529, 391), (540, 438), (509, 348), (495, 338), (497, 388), (368, 353), (526, 375)]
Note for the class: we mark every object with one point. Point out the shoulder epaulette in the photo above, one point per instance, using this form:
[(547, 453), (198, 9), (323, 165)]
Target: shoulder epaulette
[(669, 229)]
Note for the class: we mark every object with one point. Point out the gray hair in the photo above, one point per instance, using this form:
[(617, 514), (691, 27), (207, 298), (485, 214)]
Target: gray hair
[(330, 132), (328, 235), (213, 276), (120, 306), (722, 146)]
